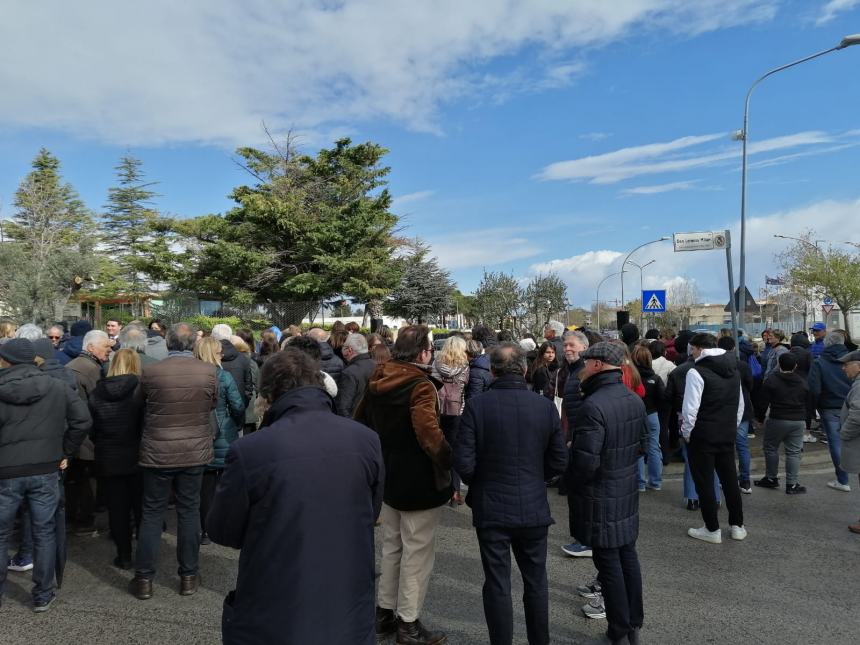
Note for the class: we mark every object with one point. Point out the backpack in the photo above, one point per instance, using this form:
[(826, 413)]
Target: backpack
[(451, 398), (755, 366)]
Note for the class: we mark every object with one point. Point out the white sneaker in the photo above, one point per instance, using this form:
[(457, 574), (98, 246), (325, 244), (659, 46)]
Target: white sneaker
[(714, 537), (808, 438), (835, 485), (738, 532)]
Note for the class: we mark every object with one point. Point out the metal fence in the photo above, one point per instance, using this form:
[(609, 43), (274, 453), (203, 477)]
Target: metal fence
[(256, 316)]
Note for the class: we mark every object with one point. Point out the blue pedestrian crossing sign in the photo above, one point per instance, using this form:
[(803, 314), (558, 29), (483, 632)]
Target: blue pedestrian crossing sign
[(653, 301)]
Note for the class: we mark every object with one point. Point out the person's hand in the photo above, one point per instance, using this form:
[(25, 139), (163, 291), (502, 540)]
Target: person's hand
[(64, 464)]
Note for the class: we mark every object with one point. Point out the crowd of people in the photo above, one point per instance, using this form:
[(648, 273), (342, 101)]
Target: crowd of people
[(303, 442)]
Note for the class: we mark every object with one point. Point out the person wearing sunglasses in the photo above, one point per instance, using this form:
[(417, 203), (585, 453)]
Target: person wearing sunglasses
[(55, 335)]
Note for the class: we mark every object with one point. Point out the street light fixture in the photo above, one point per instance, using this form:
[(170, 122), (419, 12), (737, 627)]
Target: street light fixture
[(600, 284), (743, 135), (623, 264)]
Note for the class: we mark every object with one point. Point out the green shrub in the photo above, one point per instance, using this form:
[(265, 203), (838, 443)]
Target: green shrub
[(206, 323)]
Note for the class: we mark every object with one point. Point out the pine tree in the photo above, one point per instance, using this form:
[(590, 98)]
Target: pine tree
[(425, 288), (51, 251), (129, 225)]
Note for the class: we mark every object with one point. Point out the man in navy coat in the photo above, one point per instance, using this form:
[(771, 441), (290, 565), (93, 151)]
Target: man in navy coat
[(299, 498), (510, 443)]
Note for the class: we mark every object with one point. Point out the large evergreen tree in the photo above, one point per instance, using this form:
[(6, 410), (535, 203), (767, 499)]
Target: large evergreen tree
[(309, 229), (50, 246), (128, 225), (425, 288)]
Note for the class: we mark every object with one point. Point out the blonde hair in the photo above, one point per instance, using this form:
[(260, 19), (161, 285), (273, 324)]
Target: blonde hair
[(240, 345), (208, 350), (125, 361), (453, 352), (7, 329)]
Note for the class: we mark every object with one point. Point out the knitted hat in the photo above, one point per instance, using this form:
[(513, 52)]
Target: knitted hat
[(17, 351), (44, 348), (80, 328)]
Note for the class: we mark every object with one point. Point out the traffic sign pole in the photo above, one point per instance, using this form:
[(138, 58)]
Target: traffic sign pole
[(732, 303)]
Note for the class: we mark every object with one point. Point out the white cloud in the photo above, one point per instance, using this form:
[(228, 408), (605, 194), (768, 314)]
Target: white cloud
[(675, 156), (409, 198), (483, 247), (661, 188), (830, 10), (831, 220), (202, 71)]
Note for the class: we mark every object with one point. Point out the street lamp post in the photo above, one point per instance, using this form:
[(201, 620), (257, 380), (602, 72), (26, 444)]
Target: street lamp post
[(641, 282), (622, 272), (600, 284), (743, 135)]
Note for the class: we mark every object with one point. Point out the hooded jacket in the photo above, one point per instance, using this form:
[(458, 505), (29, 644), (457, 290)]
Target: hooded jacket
[(70, 350), (156, 346), (116, 404), (330, 363), (480, 377), (785, 393), (454, 381), (238, 366), (353, 383), (713, 402), (827, 382), (88, 372), (401, 404), (609, 434), (42, 420)]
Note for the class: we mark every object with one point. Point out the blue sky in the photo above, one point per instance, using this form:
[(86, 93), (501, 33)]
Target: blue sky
[(524, 136)]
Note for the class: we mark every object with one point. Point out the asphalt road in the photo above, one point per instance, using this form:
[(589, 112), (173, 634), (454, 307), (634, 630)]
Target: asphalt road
[(796, 579)]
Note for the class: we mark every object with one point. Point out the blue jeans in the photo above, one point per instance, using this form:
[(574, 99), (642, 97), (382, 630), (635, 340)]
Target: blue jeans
[(689, 485), (830, 419), (156, 493), (41, 494), (655, 455), (742, 445)]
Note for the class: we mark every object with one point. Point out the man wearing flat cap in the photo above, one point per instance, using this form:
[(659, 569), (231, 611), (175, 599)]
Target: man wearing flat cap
[(610, 432), (42, 422), (850, 430)]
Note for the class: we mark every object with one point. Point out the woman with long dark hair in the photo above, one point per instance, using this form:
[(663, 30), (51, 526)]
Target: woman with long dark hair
[(544, 368)]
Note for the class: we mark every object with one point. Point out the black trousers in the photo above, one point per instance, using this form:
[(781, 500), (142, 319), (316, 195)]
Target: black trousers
[(529, 547), (621, 581), (80, 500), (207, 494), (702, 465), (124, 498)]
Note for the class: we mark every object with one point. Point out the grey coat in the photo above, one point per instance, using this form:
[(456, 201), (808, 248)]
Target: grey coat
[(850, 431)]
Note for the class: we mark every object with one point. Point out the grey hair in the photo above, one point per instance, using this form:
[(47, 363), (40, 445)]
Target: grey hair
[(507, 358), (30, 332), (556, 326), (578, 335), (834, 338), (222, 331), (181, 338), (318, 334), (92, 337), (357, 343), (133, 337)]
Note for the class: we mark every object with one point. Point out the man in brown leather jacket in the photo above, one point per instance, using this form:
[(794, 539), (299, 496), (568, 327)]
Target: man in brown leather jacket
[(401, 404), (176, 444)]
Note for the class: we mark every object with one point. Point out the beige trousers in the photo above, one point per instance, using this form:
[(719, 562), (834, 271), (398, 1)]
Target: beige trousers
[(408, 554)]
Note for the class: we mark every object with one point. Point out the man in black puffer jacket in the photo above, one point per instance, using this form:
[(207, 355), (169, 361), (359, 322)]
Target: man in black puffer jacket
[(609, 434), (42, 422), (510, 442), (238, 366), (330, 363)]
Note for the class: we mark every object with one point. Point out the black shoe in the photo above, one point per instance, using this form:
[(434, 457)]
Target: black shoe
[(41, 606), (415, 633), (88, 530), (204, 540), (386, 622), (795, 489), (140, 588), (692, 505), (123, 563), (188, 585), (767, 482)]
